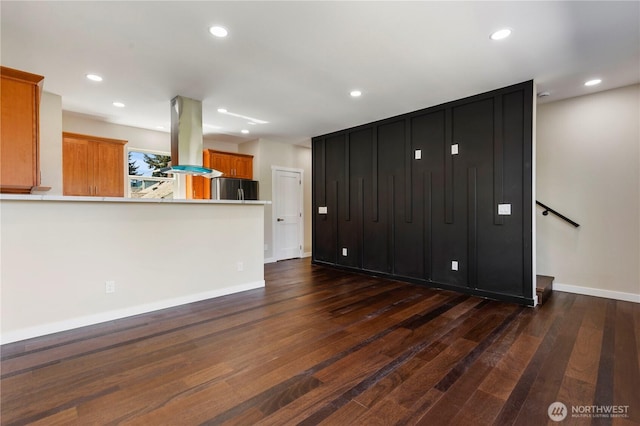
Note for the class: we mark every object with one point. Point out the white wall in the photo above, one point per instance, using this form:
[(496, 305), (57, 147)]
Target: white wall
[(588, 168), (268, 153), (51, 142), (57, 255)]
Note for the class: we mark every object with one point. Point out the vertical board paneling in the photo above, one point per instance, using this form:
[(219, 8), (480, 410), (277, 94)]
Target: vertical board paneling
[(347, 178), (408, 187), (528, 99), (428, 223), (410, 219), (498, 159), (374, 172), (472, 220), (448, 167)]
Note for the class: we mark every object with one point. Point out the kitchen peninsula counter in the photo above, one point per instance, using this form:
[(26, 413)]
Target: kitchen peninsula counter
[(35, 197), (60, 254)]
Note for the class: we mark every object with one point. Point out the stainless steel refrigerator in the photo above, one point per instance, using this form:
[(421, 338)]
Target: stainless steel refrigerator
[(234, 189)]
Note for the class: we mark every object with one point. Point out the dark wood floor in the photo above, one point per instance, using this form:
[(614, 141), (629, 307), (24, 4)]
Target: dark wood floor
[(322, 346)]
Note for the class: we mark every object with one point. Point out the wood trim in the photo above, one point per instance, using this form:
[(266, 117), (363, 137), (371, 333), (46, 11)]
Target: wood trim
[(92, 138), (21, 75), (237, 154)]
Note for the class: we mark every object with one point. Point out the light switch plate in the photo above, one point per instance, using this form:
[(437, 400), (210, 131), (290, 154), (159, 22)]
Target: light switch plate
[(418, 154), (504, 209), (454, 265), (344, 251), (322, 210), (454, 149)]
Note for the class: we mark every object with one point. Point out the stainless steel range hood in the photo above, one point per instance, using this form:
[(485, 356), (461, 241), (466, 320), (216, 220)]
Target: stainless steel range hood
[(186, 139)]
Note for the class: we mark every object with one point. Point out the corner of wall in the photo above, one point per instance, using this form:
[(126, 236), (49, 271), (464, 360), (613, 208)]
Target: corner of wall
[(51, 142)]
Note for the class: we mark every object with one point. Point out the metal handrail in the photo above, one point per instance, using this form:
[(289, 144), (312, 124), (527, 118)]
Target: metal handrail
[(548, 210)]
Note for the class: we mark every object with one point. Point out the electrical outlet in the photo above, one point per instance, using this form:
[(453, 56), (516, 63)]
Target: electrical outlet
[(240, 266), (454, 265), (344, 251), (418, 154), (322, 210), (110, 287), (454, 149)]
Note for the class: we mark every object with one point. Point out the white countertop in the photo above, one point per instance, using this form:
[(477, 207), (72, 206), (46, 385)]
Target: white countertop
[(21, 197)]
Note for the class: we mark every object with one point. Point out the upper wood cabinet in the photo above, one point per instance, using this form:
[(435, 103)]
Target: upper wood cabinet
[(92, 165), (19, 140), (231, 164)]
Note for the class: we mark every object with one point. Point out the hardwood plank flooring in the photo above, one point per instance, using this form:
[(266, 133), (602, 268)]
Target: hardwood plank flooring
[(321, 346)]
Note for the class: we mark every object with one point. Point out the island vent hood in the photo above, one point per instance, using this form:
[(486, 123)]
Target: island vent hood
[(186, 139)]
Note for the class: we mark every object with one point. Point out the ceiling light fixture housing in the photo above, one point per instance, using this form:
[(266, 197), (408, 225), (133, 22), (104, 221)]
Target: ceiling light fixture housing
[(501, 34), (245, 117), (218, 31), (245, 131), (355, 93), (118, 104), (94, 77), (593, 82)]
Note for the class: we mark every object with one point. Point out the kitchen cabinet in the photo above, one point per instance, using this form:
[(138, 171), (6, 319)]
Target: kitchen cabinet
[(229, 163), (92, 165), (19, 140)]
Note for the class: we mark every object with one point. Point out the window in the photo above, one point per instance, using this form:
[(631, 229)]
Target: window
[(145, 178)]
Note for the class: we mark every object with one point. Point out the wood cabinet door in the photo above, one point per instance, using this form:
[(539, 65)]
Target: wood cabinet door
[(221, 162), (108, 169), (92, 166), (243, 167), (18, 135), (76, 167)]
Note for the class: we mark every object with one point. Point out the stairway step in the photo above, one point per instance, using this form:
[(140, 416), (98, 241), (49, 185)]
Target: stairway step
[(544, 288)]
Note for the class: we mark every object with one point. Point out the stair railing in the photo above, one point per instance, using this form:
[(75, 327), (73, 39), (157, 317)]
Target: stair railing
[(548, 210)]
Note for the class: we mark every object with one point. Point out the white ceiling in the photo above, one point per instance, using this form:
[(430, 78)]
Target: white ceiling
[(293, 64)]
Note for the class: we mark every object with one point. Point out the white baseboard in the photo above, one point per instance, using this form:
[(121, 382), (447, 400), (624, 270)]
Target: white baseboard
[(589, 291), (307, 254), (270, 260), (41, 330)]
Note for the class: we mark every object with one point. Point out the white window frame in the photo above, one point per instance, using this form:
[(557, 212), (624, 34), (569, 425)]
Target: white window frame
[(153, 178)]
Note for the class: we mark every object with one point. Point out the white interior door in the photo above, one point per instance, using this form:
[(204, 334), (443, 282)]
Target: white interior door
[(287, 212)]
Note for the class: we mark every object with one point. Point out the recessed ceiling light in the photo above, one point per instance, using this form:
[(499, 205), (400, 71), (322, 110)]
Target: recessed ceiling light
[(222, 110), (355, 93), (245, 131), (501, 34), (94, 77), (593, 82), (544, 94), (218, 31), (118, 104)]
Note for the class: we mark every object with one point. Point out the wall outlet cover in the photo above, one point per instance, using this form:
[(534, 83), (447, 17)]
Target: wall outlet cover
[(454, 265), (322, 210), (454, 149), (418, 154), (504, 209), (344, 252)]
